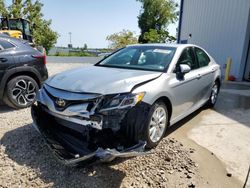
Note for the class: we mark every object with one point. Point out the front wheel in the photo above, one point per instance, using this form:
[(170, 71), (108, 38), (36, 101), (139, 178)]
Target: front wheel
[(157, 124), (146, 122)]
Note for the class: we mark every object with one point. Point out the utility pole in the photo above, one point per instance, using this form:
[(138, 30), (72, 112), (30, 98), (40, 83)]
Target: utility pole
[(70, 37), (70, 44)]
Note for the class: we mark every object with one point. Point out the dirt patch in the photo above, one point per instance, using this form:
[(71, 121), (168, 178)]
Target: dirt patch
[(169, 165)]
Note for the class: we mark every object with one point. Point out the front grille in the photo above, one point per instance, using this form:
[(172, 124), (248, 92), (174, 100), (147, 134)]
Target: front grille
[(67, 102), (91, 102)]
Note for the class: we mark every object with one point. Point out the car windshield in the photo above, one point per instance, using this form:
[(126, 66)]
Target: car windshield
[(154, 58)]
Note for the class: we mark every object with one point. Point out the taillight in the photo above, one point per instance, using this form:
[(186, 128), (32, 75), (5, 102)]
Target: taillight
[(40, 57)]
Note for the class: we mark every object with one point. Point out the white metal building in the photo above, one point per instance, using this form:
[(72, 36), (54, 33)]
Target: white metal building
[(222, 27)]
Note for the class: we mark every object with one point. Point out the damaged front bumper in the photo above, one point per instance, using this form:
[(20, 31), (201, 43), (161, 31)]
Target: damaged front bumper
[(102, 155), (78, 135), (68, 149)]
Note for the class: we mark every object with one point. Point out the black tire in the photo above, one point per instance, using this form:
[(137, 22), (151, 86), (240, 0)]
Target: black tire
[(136, 124), (214, 95), (20, 92), (147, 138)]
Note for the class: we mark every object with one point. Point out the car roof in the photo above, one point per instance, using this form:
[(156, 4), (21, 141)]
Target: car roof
[(12, 39), (21, 44), (4, 36), (174, 45)]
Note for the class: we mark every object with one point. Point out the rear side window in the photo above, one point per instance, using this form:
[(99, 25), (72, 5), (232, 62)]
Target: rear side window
[(5, 45), (188, 57), (202, 57)]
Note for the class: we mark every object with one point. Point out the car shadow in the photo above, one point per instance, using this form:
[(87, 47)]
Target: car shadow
[(182, 122), (26, 147), (5, 108)]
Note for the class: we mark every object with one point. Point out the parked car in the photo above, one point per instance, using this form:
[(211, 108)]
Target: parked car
[(104, 54), (22, 72), (125, 102)]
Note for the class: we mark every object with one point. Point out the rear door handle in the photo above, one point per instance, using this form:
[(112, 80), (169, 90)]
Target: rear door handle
[(198, 76), (3, 59)]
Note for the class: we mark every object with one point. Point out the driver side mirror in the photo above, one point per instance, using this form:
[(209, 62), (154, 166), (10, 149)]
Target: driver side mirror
[(181, 70), (184, 68)]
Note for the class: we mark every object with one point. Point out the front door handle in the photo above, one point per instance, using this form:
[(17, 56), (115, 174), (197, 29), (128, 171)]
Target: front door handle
[(198, 76), (3, 59)]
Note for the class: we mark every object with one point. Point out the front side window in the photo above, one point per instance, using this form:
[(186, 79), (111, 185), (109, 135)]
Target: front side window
[(5, 44), (187, 57), (26, 28), (141, 57), (202, 57)]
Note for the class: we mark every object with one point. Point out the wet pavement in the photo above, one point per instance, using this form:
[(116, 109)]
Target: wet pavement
[(221, 137), (233, 96), (236, 93)]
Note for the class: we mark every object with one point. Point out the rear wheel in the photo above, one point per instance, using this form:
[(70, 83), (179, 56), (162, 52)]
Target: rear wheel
[(20, 92), (214, 94)]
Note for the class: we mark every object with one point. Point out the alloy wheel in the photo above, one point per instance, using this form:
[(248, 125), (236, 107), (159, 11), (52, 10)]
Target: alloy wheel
[(214, 93), (157, 124), (24, 92)]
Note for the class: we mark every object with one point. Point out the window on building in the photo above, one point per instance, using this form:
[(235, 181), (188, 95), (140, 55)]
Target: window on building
[(202, 57)]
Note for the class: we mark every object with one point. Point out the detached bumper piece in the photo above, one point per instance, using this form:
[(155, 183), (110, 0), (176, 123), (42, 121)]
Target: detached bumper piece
[(76, 144)]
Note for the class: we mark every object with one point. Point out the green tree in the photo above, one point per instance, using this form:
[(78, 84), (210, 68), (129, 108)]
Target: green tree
[(154, 18), (32, 10), (16, 9), (121, 39), (154, 36), (45, 36), (3, 10)]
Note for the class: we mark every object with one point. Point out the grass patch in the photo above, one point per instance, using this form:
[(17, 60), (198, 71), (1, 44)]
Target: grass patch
[(78, 54)]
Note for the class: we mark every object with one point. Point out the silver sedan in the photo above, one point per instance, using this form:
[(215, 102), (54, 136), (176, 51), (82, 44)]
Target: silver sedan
[(126, 101)]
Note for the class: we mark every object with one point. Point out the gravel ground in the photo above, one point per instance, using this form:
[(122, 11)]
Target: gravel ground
[(25, 160)]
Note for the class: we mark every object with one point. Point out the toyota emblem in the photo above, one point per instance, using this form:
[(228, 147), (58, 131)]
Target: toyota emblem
[(60, 102)]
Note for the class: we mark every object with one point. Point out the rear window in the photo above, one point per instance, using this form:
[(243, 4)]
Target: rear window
[(5, 45), (202, 57)]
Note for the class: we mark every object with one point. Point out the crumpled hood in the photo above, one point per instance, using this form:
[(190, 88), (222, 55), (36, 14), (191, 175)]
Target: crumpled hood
[(102, 80)]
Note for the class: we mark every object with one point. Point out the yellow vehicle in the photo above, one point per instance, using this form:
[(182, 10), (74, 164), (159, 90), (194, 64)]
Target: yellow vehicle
[(17, 28)]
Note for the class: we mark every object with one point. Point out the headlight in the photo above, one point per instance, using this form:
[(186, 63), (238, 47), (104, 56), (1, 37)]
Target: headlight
[(121, 101)]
